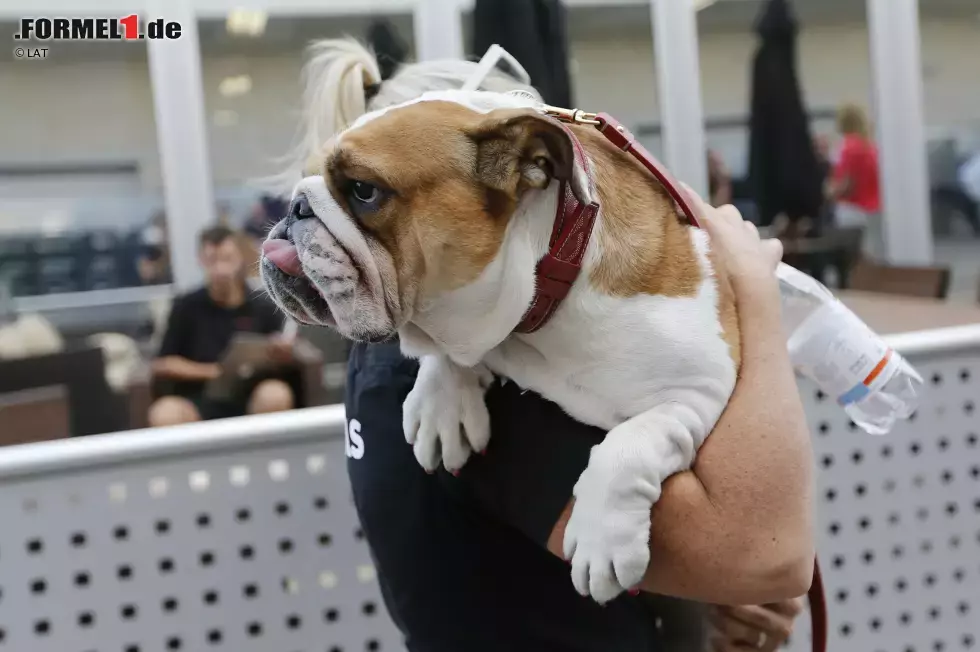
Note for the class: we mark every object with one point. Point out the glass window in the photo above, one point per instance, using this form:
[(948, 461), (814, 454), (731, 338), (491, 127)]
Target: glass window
[(80, 199)]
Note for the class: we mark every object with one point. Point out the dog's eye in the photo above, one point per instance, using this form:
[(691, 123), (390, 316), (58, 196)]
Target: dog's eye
[(364, 192), (364, 197)]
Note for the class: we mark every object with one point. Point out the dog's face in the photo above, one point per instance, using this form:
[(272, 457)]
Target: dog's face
[(411, 203)]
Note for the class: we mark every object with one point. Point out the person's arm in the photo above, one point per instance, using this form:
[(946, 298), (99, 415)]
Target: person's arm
[(738, 527), (171, 362), (175, 367)]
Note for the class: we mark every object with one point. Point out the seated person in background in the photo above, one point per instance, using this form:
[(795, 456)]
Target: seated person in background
[(199, 330)]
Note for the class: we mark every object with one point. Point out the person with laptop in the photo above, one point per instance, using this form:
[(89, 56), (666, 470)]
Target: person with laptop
[(202, 326)]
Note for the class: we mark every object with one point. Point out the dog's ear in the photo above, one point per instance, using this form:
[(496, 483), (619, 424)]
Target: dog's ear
[(518, 149)]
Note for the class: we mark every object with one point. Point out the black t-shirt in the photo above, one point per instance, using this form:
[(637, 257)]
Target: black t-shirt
[(201, 330), (462, 562)]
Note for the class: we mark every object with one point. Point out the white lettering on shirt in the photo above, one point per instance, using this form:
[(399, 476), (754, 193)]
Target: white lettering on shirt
[(353, 442)]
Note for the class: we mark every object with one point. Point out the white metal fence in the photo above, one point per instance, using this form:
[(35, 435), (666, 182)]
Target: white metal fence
[(240, 534)]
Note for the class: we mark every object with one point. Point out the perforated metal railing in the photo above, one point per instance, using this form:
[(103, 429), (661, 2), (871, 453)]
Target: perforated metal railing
[(899, 515), (240, 535), (236, 535)]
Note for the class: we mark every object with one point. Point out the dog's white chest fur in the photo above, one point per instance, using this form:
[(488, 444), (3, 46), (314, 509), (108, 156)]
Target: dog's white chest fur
[(655, 371), (607, 359)]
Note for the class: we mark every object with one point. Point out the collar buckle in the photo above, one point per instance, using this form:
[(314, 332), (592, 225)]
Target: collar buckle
[(574, 116)]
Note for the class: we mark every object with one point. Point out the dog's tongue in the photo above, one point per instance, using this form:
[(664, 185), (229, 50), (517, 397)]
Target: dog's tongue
[(283, 255)]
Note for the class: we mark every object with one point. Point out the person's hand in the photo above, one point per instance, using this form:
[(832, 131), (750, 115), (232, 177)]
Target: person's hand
[(211, 370), (748, 259), (753, 629), (281, 348)]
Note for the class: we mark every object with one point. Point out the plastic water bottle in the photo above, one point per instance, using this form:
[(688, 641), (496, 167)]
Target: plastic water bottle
[(848, 361)]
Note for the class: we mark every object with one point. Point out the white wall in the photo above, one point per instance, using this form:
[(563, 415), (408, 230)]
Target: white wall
[(102, 111), (94, 112)]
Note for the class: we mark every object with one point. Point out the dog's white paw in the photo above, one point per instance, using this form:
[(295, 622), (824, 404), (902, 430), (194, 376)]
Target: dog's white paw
[(607, 539), (445, 416)]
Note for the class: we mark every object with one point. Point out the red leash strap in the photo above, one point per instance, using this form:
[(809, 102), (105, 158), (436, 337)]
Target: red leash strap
[(818, 610), (559, 268), (621, 137)]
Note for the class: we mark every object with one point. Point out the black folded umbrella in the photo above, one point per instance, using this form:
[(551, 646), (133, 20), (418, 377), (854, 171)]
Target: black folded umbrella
[(534, 32), (389, 49), (783, 167)]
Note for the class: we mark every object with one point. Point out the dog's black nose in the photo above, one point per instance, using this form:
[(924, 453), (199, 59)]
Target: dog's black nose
[(301, 209)]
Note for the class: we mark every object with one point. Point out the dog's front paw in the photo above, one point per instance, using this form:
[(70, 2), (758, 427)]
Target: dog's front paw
[(444, 415), (607, 539)]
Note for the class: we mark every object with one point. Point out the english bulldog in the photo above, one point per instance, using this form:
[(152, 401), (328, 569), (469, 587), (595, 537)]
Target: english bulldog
[(433, 220)]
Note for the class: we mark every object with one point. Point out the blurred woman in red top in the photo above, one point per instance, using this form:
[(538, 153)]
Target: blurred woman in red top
[(854, 185)]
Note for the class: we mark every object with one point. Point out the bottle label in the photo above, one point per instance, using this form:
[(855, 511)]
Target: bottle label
[(838, 351)]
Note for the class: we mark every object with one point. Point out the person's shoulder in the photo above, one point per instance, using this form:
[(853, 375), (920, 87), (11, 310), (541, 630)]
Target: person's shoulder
[(860, 145), (199, 294), (370, 364), (850, 143), (268, 317), (192, 299)]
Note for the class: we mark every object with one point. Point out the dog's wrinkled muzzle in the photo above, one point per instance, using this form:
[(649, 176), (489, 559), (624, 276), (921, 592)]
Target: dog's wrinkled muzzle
[(280, 249), (322, 269)]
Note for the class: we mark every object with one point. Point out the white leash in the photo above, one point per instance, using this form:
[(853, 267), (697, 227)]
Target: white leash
[(488, 62)]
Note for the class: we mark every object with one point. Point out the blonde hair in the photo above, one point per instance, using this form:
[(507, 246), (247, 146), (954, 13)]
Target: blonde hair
[(335, 78), (851, 119)]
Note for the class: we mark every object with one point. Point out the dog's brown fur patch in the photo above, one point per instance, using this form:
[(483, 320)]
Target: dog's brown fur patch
[(646, 247), (439, 225), (645, 241)]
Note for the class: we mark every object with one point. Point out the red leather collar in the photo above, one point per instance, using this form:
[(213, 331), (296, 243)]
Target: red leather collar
[(559, 268), (574, 221)]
